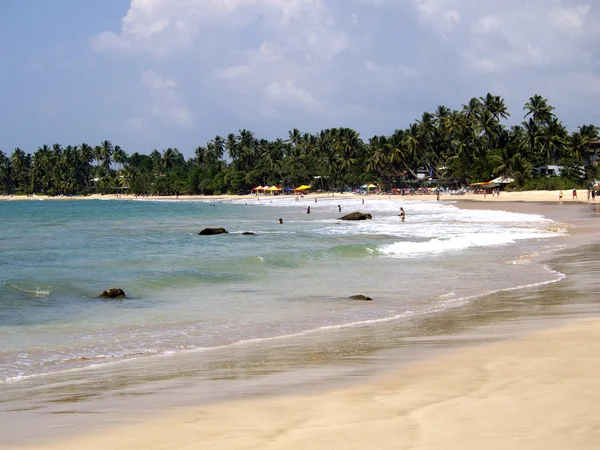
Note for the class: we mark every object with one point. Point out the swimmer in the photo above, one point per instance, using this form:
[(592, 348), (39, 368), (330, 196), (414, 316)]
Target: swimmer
[(402, 214)]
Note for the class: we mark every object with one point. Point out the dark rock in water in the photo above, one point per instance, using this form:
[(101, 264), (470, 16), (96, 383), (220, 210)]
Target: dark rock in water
[(211, 231), (360, 297), (249, 233), (356, 216), (113, 293)]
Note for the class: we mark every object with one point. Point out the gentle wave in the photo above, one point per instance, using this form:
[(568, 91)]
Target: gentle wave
[(436, 246), (445, 301), (36, 291)]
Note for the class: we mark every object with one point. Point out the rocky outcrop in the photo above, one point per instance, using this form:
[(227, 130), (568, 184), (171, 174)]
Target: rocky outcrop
[(113, 293), (211, 231), (360, 297), (356, 216)]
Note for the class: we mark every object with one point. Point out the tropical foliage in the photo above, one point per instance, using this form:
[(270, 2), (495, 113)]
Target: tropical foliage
[(447, 147)]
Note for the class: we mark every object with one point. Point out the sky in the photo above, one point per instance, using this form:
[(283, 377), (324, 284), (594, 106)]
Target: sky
[(151, 74)]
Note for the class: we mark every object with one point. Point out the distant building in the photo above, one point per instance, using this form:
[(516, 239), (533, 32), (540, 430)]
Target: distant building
[(593, 154), (550, 170)]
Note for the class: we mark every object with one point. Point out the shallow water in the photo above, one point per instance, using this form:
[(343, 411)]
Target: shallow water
[(191, 293)]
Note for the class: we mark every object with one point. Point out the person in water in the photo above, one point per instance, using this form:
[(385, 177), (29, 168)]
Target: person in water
[(339, 208), (280, 221), (308, 210), (402, 214)]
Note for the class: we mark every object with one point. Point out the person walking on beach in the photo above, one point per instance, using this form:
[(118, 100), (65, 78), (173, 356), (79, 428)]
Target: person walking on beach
[(574, 193), (560, 196), (593, 194), (589, 193), (402, 214)]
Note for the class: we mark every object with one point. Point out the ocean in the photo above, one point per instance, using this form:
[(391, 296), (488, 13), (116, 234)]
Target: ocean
[(218, 306)]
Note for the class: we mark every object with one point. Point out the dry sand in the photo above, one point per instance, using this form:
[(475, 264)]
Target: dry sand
[(541, 391), (526, 196)]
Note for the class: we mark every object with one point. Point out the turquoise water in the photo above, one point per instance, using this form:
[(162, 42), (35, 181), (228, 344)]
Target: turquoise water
[(190, 293)]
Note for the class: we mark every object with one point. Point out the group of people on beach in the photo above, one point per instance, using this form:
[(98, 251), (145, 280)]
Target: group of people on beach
[(402, 212), (591, 193)]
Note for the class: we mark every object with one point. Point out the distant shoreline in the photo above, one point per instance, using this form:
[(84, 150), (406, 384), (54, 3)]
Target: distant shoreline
[(524, 196)]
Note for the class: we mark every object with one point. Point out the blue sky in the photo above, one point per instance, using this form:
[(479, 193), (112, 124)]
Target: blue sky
[(151, 74)]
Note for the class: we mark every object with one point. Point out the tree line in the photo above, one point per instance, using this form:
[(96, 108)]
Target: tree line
[(451, 147)]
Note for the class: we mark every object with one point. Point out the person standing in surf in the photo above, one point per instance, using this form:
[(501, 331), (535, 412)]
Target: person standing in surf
[(402, 214)]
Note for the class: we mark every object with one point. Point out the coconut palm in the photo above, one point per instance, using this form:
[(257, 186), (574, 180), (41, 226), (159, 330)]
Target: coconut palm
[(104, 154), (539, 109)]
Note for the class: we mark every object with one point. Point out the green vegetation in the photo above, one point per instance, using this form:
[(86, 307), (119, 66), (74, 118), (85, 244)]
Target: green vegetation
[(453, 147)]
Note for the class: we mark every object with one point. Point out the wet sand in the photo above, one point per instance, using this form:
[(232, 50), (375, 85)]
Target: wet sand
[(541, 391), (471, 391)]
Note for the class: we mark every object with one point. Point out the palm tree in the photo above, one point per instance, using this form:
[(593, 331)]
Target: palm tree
[(577, 145), (6, 182), (214, 150), (21, 163), (169, 158), (119, 156), (539, 109), (104, 153), (519, 169)]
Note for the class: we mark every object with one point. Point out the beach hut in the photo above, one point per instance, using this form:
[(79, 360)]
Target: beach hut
[(273, 189)]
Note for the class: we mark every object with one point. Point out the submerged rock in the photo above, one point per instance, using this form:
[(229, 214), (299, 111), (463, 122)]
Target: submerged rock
[(356, 216), (360, 297), (113, 293), (211, 231)]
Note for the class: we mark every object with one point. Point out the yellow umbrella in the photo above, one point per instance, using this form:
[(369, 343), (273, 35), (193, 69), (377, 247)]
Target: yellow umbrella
[(303, 188), (371, 186), (274, 188)]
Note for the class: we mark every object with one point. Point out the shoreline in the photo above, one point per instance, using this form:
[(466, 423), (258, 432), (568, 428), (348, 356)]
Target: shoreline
[(504, 197), (232, 429), (537, 391)]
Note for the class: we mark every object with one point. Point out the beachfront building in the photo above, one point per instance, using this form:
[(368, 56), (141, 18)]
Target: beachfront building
[(592, 156), (551, 170)]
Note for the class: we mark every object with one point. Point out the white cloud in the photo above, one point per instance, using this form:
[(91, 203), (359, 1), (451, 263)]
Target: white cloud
[(494, 37), (486, 24), (289, 95), (161, 27), (167, 104), (315, 62), (569, 19)]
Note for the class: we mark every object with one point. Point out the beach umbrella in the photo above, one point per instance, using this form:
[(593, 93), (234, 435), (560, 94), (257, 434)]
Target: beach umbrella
[(303, 188), (257, 188), (371, 186)]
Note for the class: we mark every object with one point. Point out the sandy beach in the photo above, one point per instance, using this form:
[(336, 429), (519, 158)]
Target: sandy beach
[(538, 390), (525, 196)]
